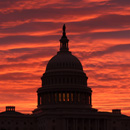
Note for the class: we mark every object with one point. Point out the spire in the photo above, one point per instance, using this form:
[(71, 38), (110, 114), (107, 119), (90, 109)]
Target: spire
[(64, 40), (64, 31)]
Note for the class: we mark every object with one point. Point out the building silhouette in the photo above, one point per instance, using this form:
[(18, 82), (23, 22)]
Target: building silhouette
[(64, 100)]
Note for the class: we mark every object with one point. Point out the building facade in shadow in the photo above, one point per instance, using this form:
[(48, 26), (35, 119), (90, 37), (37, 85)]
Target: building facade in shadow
[(64, 100)]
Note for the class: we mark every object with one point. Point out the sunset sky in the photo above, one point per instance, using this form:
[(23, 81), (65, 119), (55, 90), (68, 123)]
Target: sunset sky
[(99, 34)]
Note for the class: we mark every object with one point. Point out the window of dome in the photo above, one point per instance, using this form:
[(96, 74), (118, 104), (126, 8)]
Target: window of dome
[(55, 97), (68, 97), (63, 97)]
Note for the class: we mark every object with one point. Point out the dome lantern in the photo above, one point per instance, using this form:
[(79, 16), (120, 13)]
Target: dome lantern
[(64, 40)]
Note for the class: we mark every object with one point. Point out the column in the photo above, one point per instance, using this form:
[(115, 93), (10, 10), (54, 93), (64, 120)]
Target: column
[(53, 97), (57, 97), (51, 94), (61, 96), (74, 97), (42, 99), (65, 96)]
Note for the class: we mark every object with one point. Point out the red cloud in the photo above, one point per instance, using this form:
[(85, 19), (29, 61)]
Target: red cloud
[(98, 31)]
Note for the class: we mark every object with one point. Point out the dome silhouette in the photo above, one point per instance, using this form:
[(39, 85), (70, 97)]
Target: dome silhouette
[(64, 60), (64, 83)]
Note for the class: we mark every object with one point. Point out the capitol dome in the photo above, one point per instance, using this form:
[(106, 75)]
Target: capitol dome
[(64, 83), (64, 60)]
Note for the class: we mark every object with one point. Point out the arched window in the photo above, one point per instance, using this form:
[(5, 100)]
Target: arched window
[(68, 97), (63, 97), (55, 97)]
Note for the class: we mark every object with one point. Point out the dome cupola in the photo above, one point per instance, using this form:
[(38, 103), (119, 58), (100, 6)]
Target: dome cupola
[(64, 59), (64, 40)]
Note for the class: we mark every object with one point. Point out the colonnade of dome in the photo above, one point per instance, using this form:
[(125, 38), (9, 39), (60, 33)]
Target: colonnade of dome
[(73, 78), (64, 97)]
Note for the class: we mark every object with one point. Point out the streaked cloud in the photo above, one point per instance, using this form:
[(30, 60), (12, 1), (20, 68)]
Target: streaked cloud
[(99, 34)]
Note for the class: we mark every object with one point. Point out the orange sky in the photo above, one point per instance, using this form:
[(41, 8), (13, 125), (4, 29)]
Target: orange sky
[(99, 34)]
